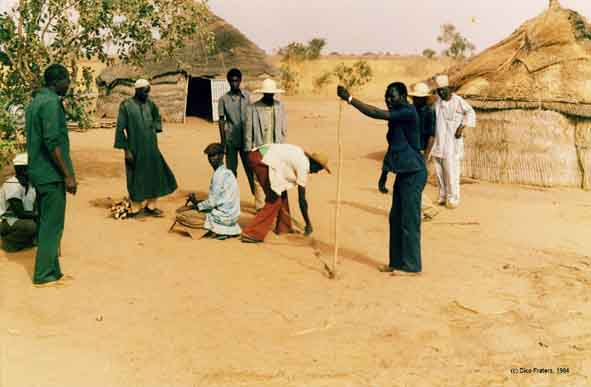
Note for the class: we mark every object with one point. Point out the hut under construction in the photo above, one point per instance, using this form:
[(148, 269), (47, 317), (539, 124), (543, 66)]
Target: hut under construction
[(190, 82), (532, 94)]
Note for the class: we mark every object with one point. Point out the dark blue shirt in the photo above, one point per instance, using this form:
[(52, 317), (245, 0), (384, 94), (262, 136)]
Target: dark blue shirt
[(404, 141), (427, 124)]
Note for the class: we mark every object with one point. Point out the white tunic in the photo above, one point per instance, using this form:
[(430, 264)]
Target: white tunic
[(288, 166), (449, 115), (12, 189)]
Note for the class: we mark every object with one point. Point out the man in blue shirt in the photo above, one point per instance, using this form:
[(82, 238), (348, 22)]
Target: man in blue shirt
[(419, 94), (405, 159)]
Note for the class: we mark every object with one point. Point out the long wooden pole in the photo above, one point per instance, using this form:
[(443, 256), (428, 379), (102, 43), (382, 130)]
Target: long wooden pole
[(339, 181)]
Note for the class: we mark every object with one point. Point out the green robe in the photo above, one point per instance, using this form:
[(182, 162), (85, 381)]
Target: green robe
[(148, 177)]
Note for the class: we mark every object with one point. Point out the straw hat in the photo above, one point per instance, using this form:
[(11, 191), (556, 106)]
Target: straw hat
[(21, 159), (320, 158), (141, 83), (442, 81), (269, 87), (420, 90)]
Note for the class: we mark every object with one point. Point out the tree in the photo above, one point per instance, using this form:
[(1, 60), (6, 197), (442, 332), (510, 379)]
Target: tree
[(459, 47), (315, 47), (37, 33), (429, 53), (296, 52), (354, 77)]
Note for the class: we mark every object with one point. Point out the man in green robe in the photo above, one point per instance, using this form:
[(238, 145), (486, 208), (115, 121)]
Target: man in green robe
[(50, 169), (148, 175)]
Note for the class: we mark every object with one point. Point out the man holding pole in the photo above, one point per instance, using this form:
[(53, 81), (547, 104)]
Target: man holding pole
[(404, 158), (419, 94)]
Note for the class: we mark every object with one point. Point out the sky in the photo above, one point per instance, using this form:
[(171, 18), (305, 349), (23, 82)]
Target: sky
[(397, 26), (359, 26)]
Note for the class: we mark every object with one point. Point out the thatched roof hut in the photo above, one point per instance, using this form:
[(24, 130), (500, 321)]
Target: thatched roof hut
[(532, 92), (190, 82)]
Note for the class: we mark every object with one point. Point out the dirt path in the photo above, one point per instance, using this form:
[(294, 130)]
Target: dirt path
[(507, 288)]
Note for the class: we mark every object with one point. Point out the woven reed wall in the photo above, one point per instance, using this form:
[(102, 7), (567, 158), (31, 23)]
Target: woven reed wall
[(535, 147)]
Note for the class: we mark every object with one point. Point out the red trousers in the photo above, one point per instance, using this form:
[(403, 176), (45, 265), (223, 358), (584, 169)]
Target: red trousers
[(276, 209)]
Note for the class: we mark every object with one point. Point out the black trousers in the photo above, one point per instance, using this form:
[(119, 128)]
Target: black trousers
[(405, 221), (232, 154)]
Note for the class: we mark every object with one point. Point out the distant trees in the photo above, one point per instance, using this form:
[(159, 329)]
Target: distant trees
[(293, 54), (299, 52), (429, 53), (459, 47)]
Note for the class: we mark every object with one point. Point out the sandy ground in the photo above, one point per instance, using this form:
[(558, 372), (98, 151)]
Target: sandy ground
[(505, 284)]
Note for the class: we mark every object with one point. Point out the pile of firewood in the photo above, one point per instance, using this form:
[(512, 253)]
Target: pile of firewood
[(121, 210), (101, 123)]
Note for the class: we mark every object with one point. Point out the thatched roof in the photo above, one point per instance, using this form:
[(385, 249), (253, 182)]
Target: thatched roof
[(545, 63), (233, 50)]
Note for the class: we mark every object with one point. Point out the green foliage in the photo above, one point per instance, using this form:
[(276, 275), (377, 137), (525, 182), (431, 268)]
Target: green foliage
[(289, 78), (37, 33), (354, 77), (11, 131), (459, 47), (323, 80), (293, 52), (429, 53), (296, 52), (315, 47)]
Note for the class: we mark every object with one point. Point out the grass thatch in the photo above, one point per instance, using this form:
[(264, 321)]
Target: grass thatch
[(233, 49), (545, 63)]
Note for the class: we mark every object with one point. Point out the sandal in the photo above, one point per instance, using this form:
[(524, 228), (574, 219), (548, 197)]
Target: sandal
[(386, 269), (138, 214), (154, 212), (247, 239)]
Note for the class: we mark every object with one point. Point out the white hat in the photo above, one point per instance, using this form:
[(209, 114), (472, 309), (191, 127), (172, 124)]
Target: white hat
[(21, 159), (420, 90), (269, 87), (141, 83), (442, 81)]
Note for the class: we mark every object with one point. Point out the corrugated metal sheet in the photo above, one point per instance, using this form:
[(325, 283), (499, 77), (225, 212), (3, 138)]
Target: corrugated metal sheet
[(219, 87)]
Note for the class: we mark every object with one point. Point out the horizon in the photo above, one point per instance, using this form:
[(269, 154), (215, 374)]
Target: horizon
[(483, 24)]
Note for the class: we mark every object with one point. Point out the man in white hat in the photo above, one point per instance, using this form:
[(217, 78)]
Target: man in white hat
[(419, 94), (17, 208), (453, 114), (148, 175), (265, 124)]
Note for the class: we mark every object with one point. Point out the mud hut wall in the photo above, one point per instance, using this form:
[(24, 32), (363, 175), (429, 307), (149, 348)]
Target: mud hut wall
[(169, 97), (534, 147)]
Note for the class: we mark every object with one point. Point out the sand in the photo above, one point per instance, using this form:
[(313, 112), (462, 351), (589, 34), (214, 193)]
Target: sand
[(505, 283)]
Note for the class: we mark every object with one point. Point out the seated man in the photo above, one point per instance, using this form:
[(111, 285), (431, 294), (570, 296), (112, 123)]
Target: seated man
[(279, 167), (17, 209), (222, 206)]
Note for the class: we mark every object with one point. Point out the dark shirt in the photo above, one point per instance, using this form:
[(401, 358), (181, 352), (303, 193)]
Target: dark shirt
[(46, 129), (404, 141), (427, 124)]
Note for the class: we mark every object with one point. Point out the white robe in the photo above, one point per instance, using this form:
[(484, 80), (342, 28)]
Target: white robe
[(447, 150)]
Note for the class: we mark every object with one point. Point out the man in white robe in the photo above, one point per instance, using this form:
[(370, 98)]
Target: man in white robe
[(453, 114)]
